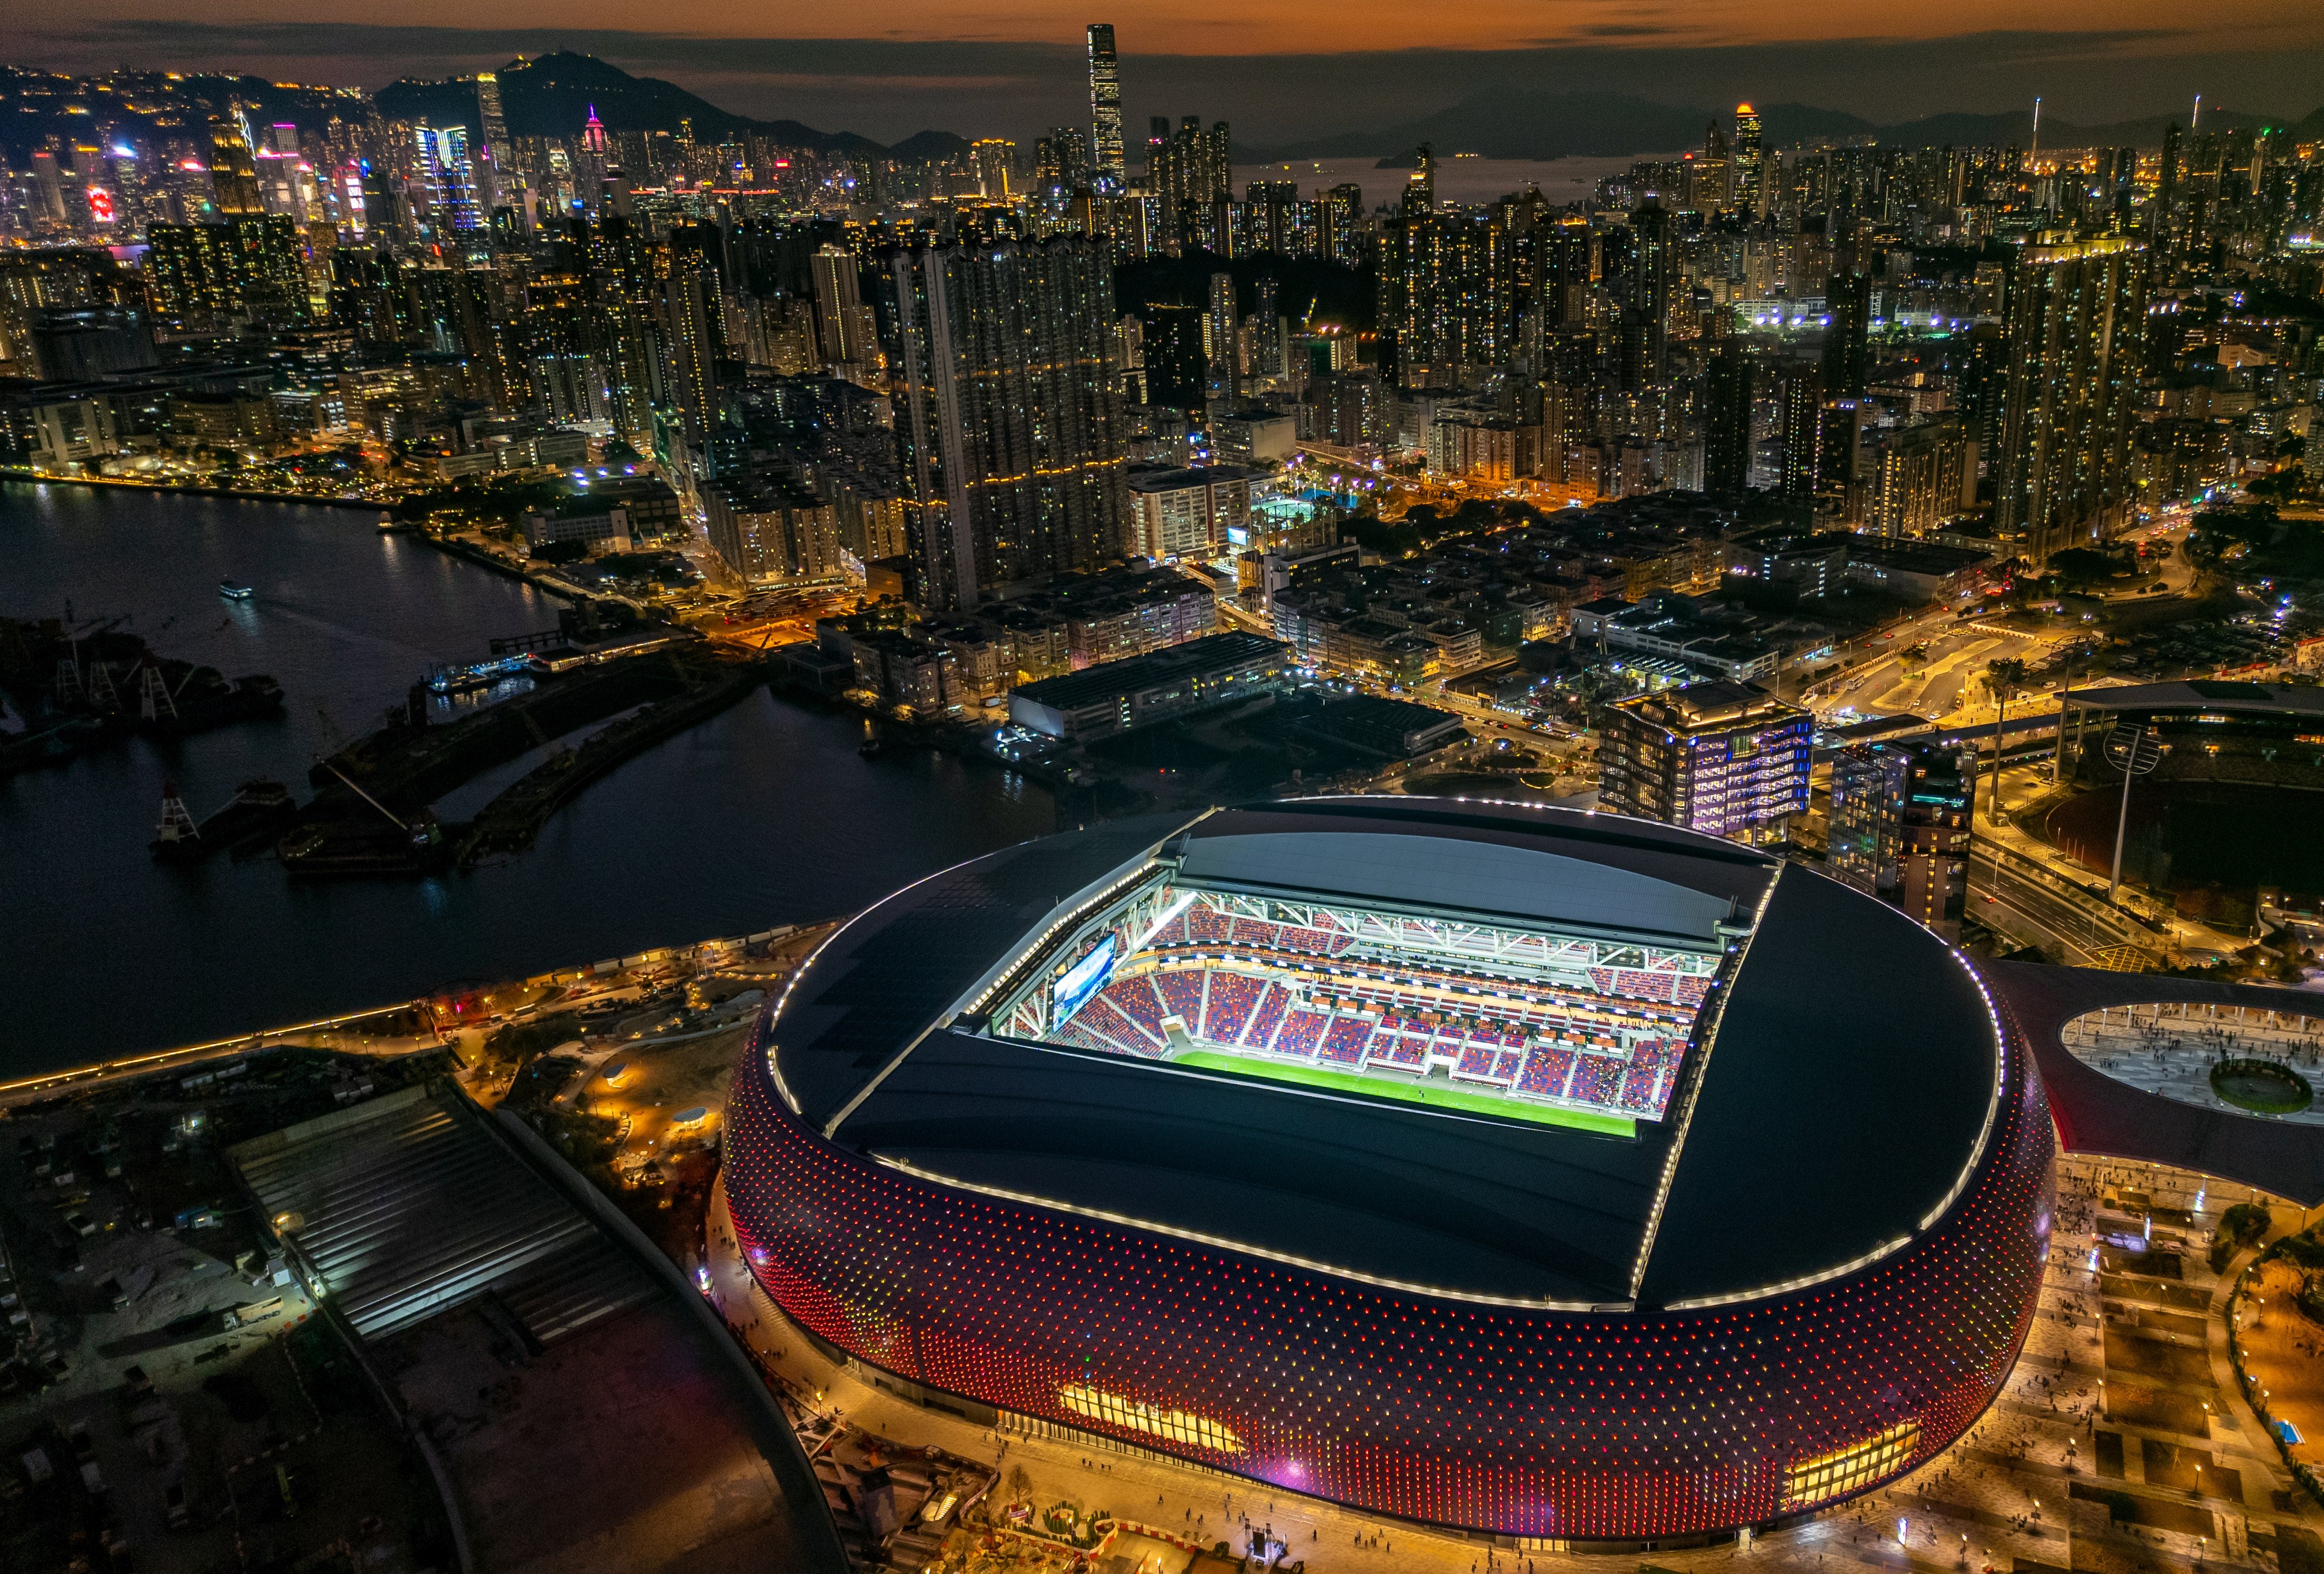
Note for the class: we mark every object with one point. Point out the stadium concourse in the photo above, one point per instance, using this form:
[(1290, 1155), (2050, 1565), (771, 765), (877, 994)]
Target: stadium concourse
[(2025, 1490)]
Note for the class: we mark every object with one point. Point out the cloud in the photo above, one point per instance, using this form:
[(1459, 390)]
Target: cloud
[(888, 89)]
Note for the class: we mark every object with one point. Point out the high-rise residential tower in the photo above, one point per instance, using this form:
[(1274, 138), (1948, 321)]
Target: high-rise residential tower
[(843, 323), (1727, 421), (2077, 319), (1222, 383), (1008, 413), (1108, 164), (1190, 173), (1847, 337)]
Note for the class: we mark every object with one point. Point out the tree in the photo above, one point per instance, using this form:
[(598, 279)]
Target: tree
[(2003, 678), (2239, 1226), (1021, 1485), (2079, 566)]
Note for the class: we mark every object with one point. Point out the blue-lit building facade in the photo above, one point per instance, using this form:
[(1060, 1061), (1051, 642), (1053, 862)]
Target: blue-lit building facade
[(1724, 758)]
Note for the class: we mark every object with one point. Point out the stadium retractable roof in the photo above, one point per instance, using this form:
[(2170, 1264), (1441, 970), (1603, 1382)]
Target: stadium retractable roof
[(1845, 1095)]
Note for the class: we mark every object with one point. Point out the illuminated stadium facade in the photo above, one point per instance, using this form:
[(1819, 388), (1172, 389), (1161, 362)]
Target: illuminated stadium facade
[(1559, 1175)]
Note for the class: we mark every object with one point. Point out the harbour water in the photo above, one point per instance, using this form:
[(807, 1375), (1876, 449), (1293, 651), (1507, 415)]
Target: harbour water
[(1459, 178), (764, 815)]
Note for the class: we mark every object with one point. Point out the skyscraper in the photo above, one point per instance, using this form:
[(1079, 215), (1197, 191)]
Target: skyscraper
[(490, 121), (233, 173), (1727, 422), (1751, 169), (1107, 160), (1654, 271), (1848, 300), (1008, 414), (843, 323), (1340, 225), (247, 264), (1803, 426), (2166, 191), (1191, 174), (689, 335), (990, 158), (448, 178), (2077, 319), (1221, 385), (497, 180)]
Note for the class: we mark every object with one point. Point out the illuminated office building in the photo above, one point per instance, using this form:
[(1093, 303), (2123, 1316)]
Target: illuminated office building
[(1106, 154), (234, 175), (1750, 168), (448, 179)]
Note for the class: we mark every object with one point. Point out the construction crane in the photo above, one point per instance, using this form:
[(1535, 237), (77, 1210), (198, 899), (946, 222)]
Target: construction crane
[(335, 738), (71, 688)]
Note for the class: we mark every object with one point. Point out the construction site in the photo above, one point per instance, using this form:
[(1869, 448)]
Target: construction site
[(374, 811), (75, 685)]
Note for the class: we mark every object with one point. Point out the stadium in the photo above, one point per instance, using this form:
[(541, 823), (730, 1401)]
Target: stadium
[(1550, 1175)]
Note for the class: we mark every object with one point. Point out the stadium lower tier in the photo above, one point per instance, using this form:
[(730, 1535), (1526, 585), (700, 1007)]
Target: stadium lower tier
[(1512, 1417), (1531, 1046)]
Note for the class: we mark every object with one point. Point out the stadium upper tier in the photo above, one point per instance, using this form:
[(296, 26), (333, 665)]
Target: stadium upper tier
[(1458, 1015)]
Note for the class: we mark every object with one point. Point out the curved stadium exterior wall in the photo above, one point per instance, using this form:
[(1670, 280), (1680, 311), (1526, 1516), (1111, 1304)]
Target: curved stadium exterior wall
[(1589, 1426)]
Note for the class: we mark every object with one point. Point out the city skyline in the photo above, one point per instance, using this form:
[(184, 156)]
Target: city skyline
[(2262, 59), (839, 800)]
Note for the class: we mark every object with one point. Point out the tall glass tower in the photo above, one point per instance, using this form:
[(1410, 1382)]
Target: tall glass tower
[(1106, 159), (1750, 162)]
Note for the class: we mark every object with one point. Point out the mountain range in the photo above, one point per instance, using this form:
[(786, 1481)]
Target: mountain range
[(1541, 124), (552, 96)]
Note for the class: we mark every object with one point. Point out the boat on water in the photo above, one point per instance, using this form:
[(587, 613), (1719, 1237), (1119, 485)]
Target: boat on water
[(386, 524), (176, 839), (342, 849), (233, 592), (248, 823)]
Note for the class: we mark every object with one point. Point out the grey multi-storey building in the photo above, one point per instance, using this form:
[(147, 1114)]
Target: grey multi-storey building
[(1900, 827), (1009, 415)]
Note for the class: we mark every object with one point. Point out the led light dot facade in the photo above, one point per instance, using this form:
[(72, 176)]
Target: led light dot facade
[(1634, 1421)]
